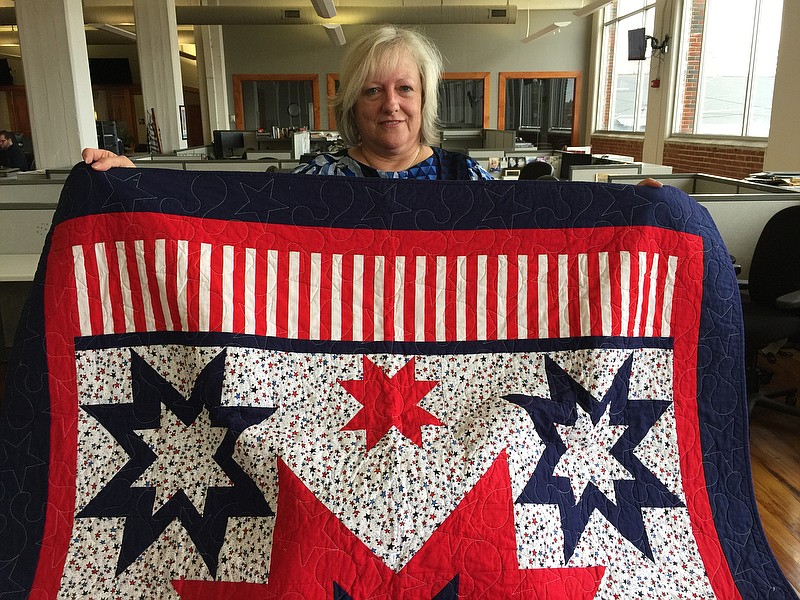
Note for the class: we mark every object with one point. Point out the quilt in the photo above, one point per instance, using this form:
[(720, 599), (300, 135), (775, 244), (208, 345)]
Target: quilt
[(238, 385)]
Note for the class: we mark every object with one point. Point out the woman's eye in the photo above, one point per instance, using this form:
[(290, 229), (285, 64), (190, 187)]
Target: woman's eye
[(371, 91), (406, 88)]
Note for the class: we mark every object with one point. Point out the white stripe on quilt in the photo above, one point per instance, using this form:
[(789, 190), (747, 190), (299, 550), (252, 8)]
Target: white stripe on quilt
[(272, 293), (125, 281), (295, 297), (81, 291), (625, 289), (147, 299), (651, 298), (250, 291), (480, 305), (502, 297), (357, 306), (522, 296), (563, 295), (541, 281), (399, 299), (161, 279), (182, 283), (419, 300), (461, 298), (315, 296), (583, 294), (605, 294), (228, 297), (669, 289), (336, 297), (641, 268), (293, 301), (103, 282), (441, 297), (378, 299), (204, 319)]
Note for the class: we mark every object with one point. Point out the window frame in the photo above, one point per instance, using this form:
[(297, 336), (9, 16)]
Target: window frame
[(678, 109), (643, 71), (240, 79), (483, 76), (504, 76)]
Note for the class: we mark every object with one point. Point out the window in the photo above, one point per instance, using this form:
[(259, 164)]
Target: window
[(267, 101), (728, 58), (542, 108), (464, 100), (622, 102)]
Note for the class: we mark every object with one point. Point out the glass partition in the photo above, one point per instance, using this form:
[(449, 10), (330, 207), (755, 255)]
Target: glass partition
[(282, 101), (542, 107)]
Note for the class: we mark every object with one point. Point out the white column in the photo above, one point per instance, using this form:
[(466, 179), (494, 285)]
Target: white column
[(211, 78), (57, 85), (160, 68), (784, 130)]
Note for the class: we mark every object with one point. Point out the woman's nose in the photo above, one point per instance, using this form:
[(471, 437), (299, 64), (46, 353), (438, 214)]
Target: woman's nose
[(390, 103)]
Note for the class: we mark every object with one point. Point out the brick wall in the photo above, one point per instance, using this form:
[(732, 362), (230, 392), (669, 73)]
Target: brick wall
[(618, 145), (723, 160)]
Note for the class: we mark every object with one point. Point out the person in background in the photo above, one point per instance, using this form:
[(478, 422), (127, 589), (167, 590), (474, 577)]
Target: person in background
[(11, 155), (386, 113)]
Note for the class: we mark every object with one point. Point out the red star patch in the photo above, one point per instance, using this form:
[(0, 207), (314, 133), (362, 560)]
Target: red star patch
[(389, 401)]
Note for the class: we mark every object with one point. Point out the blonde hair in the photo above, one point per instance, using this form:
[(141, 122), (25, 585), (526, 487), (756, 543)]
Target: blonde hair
[(377, 50)]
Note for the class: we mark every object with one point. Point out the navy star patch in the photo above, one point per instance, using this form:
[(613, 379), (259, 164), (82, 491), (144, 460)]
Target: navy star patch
[(124, 188), (631, 420), (124, 496)]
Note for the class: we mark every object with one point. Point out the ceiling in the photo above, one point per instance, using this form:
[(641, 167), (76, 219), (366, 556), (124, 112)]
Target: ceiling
[(119, 14)]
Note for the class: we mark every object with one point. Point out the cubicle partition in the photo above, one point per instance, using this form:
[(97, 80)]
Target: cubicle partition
[(739, 208), (26, 213)]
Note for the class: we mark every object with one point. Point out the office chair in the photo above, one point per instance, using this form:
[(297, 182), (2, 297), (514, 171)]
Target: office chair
[(771, 308), (536, 169)]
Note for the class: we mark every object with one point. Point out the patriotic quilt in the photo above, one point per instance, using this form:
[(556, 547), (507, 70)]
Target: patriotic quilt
[(238, 385)]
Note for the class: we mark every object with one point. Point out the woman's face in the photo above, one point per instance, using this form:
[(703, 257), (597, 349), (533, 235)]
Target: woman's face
[(389, 109)]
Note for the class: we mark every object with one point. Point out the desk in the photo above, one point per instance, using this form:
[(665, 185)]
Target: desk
[(18, 267), (14, 268)]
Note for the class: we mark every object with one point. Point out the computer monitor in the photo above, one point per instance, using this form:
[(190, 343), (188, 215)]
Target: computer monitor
[(571, 158), (228, 143)]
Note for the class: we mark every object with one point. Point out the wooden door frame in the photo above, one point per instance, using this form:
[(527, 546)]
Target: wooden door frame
[(576, 107)]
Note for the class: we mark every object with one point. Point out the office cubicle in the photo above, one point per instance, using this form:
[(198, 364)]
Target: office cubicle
[(740, 209)]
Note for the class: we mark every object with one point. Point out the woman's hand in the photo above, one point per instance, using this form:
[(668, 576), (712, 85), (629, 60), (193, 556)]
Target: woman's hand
[(103, 160), (650, 182)]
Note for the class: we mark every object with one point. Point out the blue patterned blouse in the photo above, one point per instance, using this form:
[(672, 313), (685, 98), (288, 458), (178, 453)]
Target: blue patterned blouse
[(442, 164)]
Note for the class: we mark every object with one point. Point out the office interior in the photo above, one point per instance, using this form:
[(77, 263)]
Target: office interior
[(57, 107), (235, 67)]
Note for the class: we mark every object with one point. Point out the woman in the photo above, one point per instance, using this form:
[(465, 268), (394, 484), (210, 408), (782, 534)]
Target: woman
[(386, 113)]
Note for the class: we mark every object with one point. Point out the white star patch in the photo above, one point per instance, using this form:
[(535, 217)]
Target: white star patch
[(588, 458), (184, 459)]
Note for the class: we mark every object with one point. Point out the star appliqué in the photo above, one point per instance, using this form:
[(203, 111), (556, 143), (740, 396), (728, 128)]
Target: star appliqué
[(184, 459), (572, 423), (150, 499), (389, 402), (588, 457)]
